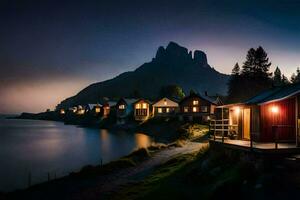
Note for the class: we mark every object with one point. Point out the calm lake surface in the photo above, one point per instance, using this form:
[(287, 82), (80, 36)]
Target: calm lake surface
[(42, 147)]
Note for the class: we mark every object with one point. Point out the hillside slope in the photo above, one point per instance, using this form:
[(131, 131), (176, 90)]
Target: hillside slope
[(171, 65)]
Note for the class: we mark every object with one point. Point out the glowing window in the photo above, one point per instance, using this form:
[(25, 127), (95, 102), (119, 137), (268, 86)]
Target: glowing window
[(195, 102), (97, 110), (194, 109), (167, 110), (138, 106), (165, 102), (62, 111), (122, 107), (186, 109), (159, 110), (144, 105)]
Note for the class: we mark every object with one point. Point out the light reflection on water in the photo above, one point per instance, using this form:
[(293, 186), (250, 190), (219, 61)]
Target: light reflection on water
[(40, 147)]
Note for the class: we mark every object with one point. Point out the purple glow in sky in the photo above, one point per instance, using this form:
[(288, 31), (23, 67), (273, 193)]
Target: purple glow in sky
[(49, 50)]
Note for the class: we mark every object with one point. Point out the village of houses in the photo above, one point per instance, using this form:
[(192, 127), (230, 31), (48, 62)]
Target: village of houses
[(269, 121)]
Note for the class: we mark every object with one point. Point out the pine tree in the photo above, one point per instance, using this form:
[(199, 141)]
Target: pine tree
[(262, 64), (277, 79), (254, 76), (285, 80), (249, 63), (257, 63), (233, 84), (295, 78), (236, 70)]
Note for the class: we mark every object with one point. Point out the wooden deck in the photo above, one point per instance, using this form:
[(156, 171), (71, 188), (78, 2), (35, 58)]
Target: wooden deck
[(289, 148)]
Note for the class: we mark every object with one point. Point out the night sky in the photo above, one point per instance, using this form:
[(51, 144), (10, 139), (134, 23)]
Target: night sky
[(49, 50)]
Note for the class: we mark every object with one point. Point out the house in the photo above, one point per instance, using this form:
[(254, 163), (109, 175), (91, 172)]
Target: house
[(124, 109), (62, 111), (271, 116), (165, 108), (80, 110), (142, 110), (107, 107), (93, 109), (197, 107)]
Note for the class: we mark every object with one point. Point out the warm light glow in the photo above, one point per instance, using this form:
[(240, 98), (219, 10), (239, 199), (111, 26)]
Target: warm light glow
[(144, 105), (186, 109), (122, 107), (97, 110), (80, 112), (194, 109), (159, 110), (142, 140), (62, 111), (165, 102), (274, 109), (237, 110), (195, 102), (167, 110), (138, 106)]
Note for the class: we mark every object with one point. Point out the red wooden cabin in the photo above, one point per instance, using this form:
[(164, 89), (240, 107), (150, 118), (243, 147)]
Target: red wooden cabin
[(271, 116)]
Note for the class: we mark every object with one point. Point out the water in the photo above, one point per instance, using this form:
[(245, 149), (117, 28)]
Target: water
[(42, 147)]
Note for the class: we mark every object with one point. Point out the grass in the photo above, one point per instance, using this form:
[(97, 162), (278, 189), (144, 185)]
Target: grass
[(156, 182), (193, 130), (169, 130), (205, 175), (130, 160)]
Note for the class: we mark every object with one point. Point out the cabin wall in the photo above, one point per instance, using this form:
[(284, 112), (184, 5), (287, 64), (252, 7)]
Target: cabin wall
[(188, 104), (284, 117), (255, 122), (141, 114)]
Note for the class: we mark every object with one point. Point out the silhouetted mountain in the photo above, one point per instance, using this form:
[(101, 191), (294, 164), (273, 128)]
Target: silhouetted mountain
[(171, 65)]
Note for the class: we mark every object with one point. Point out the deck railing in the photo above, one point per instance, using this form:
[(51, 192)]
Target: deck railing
[(221, 125)]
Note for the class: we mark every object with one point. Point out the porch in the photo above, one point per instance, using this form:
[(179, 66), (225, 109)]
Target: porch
[(223, 135), (257, 147)]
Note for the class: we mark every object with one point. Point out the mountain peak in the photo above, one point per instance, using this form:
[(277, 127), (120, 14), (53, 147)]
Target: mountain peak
[(176, 48), (200, 58), (174, 53)]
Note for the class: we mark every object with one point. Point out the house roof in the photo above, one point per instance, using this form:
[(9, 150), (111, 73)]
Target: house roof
[(141, 99), (111, 103), (207, 98), (91, 106), (128, 101), (275, 94), (173, 103)]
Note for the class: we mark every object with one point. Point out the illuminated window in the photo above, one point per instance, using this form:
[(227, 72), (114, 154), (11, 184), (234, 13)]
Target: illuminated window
[(167, 110), (122, 107), (144, 105), (194, 109), (62, 111), (159, 110), (97, 110), (195, 102), (186, 109), (165, 102), (204, 109), (138, 106)]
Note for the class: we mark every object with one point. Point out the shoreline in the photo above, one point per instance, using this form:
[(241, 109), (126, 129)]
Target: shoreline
[(133, 159)]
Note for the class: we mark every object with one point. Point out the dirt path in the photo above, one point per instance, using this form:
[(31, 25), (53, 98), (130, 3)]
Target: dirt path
[(113, 183)]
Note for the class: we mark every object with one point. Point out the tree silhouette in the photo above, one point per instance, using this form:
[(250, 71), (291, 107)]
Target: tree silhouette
[(279, 79), (171, 91), (254, 76), (295, 78)]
